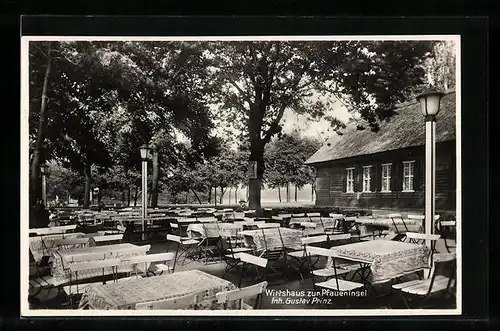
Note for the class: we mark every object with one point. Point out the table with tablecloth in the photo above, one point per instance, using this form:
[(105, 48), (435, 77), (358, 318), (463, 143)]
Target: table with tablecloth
[(214, 230), (63, 258), (270, 238), (125, 295), (387, 259), (412, 225), (44, 245)]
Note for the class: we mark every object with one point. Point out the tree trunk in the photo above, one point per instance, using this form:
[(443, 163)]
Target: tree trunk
[(279, 193), (124, 194), (215, 196), (35, 179), (257, 144), (210, 195), (221, 198), (295, 193), (136, 195), (196, 195), (88, 182), (156, 178), (236, 194), (128, 195), (287, 192), (229, 195), (312, 192)]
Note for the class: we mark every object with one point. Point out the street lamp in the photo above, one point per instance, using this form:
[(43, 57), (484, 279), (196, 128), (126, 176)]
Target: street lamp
[(429, 105), (144, 149), (43, 170)]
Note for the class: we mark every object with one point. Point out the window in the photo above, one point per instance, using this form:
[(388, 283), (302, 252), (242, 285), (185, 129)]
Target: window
[(367, 176), (349, 180), (386, 177), (408, 174)]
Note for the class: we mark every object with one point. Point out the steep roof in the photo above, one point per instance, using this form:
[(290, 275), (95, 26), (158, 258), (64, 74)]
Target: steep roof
[(404, 129)]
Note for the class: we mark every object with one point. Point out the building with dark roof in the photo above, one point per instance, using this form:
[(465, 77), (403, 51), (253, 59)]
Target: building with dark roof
[(386, 169)]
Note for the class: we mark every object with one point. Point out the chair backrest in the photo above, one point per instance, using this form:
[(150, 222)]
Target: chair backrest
[(421, 236), (158, 257), (268, 225), (252, 259), (285, 215), (188, 301), (175, 238), (298, 215), (340, 236), (277, 218), (416, 217), (107, 238), (313, 239), (336, 216), (308, 224), (448, 223), (207, 219), (394, 215), (313, 214), (350, 218), (313, 250), (121, 228), (240, 294)]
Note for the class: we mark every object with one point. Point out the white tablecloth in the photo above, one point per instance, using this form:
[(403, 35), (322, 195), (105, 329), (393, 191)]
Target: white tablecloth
[(388, 259), (125, 295)]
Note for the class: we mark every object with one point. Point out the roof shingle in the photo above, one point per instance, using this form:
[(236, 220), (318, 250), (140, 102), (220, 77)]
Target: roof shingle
[(404, 129)]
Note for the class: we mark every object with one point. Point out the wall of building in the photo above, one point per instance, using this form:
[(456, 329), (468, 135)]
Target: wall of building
[(331, 180)]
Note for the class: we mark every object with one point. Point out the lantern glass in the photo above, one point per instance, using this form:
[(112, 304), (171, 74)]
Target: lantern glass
[(144, 151), (43, 169), (430, 102)]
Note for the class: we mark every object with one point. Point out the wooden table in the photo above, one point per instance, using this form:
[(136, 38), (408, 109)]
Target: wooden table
[(61, 259), (386, 259), (126, 295)]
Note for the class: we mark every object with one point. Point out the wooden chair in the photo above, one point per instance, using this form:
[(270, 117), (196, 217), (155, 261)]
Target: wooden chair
[(231, 253), (75, 268), (183, 247), (238, 295), (301, 255), (147, 259), (336, 283), (268, 225), (435, 284), (447, 229), (108, 239), (189, 301), (400, 233), (210, 246), (259, 264)]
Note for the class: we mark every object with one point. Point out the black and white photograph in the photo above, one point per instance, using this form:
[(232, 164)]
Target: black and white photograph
[(266, 175)]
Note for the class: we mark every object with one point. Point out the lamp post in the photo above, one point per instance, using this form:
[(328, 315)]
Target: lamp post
[(43, 171), (144, 149), (430, 103)]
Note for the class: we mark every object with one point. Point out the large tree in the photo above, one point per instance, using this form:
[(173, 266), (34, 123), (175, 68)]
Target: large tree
[(260, 80)]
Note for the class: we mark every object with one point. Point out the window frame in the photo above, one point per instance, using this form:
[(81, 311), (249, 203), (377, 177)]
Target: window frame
[(369, 179), (383, 178), (411, 176), (347, 180)]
